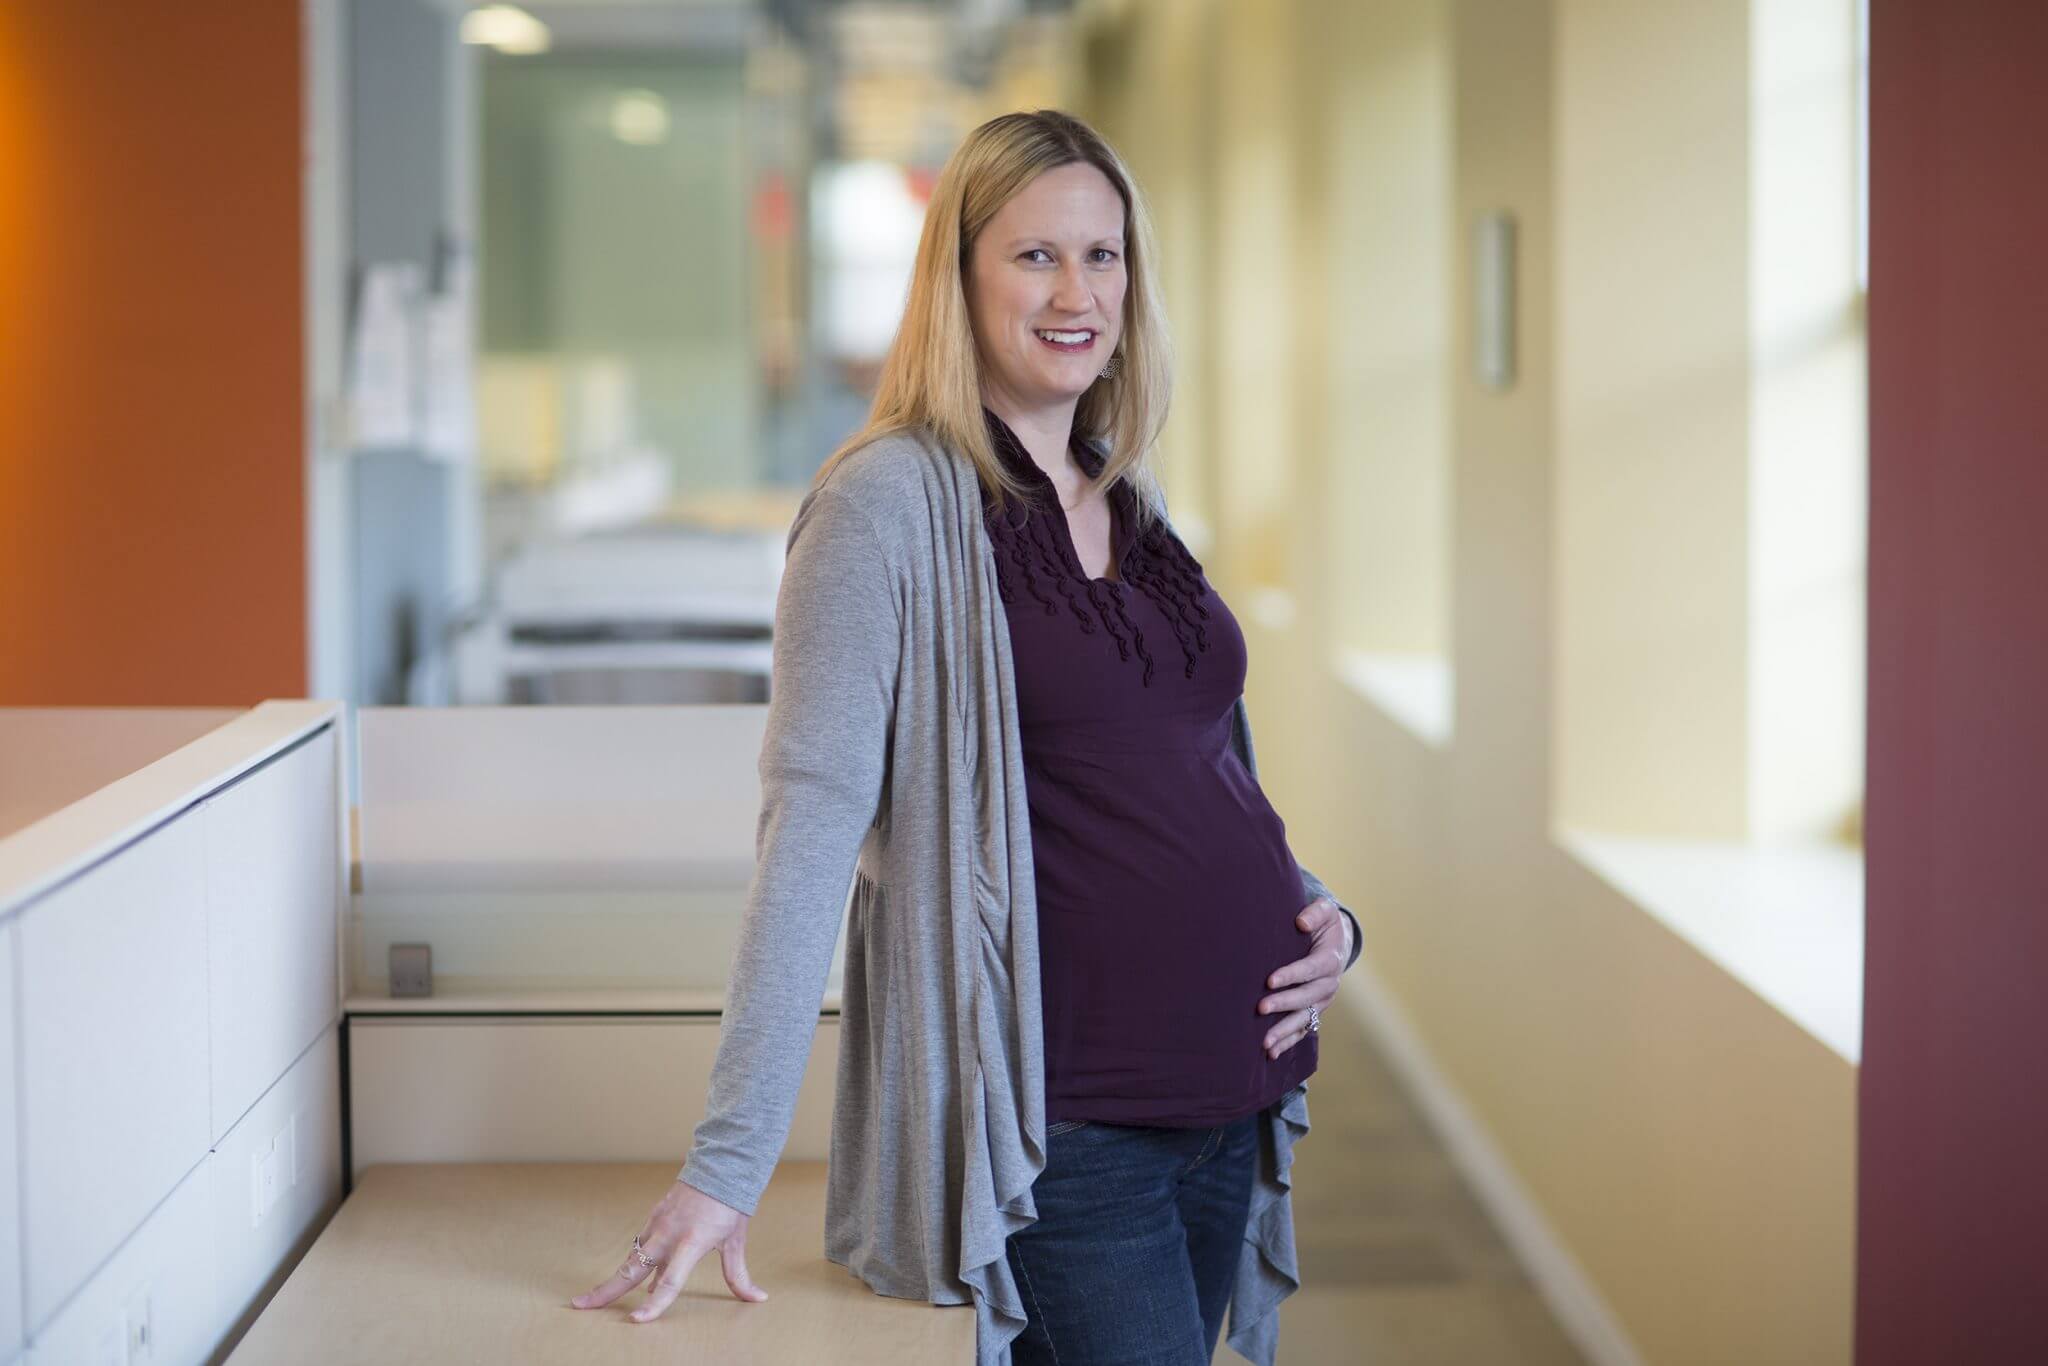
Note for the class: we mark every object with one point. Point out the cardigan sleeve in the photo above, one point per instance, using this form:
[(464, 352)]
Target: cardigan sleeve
[(832, 688), (1311, 885)]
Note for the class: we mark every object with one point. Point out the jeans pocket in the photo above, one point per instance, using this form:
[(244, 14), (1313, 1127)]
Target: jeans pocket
[(1064, 1126)]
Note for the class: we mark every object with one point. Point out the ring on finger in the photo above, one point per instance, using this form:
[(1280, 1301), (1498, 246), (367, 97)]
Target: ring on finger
[(640, 1256)]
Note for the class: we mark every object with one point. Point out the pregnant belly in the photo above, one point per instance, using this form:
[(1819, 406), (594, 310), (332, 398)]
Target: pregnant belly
[(1166, 899)]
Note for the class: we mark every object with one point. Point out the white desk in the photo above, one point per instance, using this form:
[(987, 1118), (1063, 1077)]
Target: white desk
[(478, 1262)]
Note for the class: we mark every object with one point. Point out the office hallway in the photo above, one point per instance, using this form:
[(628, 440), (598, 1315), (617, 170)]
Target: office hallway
[(1400, 1265)]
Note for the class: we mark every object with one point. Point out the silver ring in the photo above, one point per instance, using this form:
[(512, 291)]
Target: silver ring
[(1315, 1020), (640, 1256)]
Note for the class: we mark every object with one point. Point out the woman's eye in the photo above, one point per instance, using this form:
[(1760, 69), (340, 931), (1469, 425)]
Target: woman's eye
[(1099, 251)]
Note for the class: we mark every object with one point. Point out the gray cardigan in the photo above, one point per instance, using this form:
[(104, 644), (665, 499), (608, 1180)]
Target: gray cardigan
[(892, 760)]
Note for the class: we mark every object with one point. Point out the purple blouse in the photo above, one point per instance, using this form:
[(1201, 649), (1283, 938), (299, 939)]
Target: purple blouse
[(1166, 890)]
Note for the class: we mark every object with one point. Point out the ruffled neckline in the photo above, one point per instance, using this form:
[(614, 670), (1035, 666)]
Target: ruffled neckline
[(1035, 545)]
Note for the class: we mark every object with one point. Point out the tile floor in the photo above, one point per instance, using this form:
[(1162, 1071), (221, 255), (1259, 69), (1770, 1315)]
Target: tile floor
[(1400, 1265)]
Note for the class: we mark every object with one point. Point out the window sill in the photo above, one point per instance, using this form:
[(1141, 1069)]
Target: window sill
[(1786, 921), (1416, 691)]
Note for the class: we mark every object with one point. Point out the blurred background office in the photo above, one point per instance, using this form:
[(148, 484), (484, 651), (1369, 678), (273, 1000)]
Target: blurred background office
[(436, 353), (617, 276)]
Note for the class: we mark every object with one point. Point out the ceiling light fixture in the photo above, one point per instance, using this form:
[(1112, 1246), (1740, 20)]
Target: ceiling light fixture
[(507, 28)]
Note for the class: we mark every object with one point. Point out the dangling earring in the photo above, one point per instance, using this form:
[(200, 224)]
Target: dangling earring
[(1109, 370)]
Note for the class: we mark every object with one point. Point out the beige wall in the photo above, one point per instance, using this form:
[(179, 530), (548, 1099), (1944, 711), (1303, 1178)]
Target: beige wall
[(1253, 315), (1379, 113), (1651, 207), (1689, 1146)]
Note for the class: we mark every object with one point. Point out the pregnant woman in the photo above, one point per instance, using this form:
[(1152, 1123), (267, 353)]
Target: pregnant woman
[(1084, 972)]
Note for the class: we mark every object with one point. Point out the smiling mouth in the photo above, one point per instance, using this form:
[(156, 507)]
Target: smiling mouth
[(1066, 339)]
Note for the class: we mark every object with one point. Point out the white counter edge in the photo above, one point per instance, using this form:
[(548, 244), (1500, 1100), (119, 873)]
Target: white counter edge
[(42, 856)]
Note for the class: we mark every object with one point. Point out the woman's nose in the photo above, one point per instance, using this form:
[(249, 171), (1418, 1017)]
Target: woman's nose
[(1070, 290)]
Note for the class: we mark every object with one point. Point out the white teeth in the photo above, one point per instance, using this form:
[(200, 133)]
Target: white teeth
[(1066, 338)]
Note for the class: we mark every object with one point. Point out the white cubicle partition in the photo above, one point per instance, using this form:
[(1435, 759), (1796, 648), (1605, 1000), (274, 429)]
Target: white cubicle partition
[(12, 1333), (579, 873), (556, 849), (173, 993)]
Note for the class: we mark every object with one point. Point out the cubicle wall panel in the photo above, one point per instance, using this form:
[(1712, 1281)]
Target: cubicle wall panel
[(162, 1273), (114, 1084), (271, 851), (11, 1327), (291, 1141), (551, 1090)]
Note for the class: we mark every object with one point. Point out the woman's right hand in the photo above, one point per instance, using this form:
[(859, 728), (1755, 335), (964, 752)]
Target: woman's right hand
[(686, 1224)]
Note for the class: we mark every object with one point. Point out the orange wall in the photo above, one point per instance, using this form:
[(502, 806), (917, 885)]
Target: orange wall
[(152, 444)]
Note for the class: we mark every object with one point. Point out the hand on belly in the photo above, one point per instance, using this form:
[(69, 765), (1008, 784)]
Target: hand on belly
[(1309, 981)]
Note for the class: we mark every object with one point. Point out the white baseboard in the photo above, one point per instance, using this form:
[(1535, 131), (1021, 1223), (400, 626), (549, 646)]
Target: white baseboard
[(1563, 1283)]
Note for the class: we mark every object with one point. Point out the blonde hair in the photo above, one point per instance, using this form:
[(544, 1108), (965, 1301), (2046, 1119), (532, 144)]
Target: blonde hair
[(931, 377)]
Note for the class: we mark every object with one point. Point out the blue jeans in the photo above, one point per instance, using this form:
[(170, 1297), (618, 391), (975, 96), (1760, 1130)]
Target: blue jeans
[(1135, 1250)]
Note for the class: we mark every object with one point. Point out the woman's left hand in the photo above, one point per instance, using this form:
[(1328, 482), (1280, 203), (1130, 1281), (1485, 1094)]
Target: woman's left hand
[(1309, 981)]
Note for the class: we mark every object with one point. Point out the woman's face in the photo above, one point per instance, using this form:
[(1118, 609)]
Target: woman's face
[(1051, 260)]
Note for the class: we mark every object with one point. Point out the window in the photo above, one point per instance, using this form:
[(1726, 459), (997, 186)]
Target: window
[(1711, 487)]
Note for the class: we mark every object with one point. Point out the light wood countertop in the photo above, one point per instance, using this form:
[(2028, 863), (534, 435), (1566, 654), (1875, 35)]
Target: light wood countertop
[(478, 1262)]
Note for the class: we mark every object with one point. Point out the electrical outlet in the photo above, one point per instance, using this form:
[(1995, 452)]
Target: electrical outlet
[(141, 1330), (411, 969)]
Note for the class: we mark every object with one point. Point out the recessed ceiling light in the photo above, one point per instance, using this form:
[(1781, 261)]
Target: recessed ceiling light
[(507, 28), (640, 117)]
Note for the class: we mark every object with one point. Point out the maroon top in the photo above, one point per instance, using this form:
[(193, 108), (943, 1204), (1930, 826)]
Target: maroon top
[(1166, 891)]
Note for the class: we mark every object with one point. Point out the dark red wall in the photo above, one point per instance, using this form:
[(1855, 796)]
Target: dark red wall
[(1952, 1233)]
